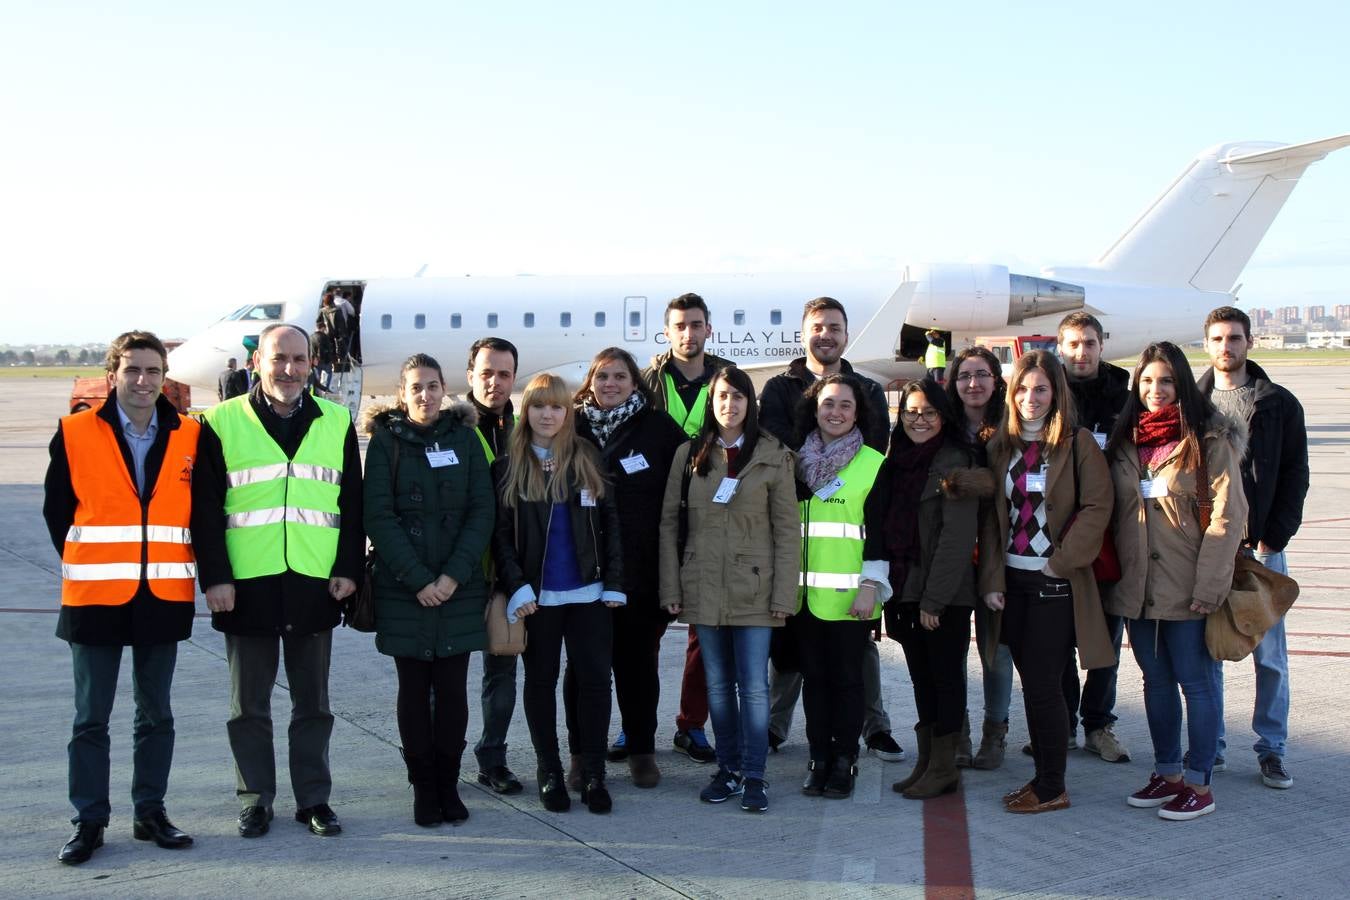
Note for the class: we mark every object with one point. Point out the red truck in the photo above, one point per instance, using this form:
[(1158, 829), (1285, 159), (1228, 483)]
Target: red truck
[(89, 391)]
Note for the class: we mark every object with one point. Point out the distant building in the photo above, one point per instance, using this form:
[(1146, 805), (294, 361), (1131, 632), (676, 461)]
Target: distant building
[(1313, 313), (1288, 315), (1259, 317), (1343, 312)]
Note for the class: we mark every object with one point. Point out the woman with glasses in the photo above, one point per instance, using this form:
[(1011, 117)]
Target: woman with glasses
[(975, 392), (929, 496), (1036, 553)]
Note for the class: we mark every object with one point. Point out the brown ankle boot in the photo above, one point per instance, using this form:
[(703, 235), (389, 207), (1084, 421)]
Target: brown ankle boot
[(942, 776), (642, 766), (992, 746), (923, 735), (963, 744)]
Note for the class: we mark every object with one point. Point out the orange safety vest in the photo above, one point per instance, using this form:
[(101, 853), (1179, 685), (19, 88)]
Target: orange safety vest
[(115, 542)]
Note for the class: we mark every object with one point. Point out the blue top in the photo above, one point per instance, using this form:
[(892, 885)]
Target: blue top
[(139, 444)]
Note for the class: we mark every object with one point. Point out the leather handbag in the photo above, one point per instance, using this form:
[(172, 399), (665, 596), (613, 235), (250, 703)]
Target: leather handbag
[(1258, 598), (1106, 565), (504, 638)]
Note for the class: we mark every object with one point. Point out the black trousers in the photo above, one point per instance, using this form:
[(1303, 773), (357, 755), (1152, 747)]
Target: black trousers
[(636, 659), (830, 654), (937, 664), (587, 631), (1038, 628), (433, 704)]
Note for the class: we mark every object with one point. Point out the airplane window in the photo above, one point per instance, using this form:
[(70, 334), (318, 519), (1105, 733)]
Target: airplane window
[(775, 317), (529, 320), (257, 312), (420, 320), (565, 320), (738, 317), (492, 320), (456, 320), (599, 320), (386, 321), (635, 319)]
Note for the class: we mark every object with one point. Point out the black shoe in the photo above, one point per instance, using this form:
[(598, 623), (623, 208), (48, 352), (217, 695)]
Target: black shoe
[(694, 744), (159, 829), (553, 792), (87, 838), (775, 742), (253, 821), (596, 797), (501, 779), (842, 775), (817, 771), (320, 818)]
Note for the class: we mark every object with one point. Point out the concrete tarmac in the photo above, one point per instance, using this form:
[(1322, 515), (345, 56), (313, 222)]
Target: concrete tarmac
[(663, 842)]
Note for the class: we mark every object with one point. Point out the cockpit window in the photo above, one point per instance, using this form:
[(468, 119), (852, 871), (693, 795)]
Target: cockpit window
[(258, 312)]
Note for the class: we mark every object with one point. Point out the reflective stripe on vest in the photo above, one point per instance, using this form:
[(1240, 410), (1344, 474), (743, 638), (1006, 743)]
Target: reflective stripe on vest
[(691, 420), (114, 542), (832, 540), (281, 513)]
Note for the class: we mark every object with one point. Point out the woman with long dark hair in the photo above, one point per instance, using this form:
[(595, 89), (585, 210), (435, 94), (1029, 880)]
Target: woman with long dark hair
[(1175, 461), (729, 552), (976, 392), (1036, 553), (559, 560), (930, 495), (428, 513)]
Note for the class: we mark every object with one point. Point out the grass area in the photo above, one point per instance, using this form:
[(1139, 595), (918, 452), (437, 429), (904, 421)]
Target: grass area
[(65, 373)]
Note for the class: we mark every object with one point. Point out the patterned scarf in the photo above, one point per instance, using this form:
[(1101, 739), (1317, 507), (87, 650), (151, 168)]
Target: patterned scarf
[(1157, 434), (604, 422), (819, 463)]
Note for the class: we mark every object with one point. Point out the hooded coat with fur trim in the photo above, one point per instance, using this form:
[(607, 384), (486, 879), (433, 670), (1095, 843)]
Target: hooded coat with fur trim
[(429, 520), (1165, 560)]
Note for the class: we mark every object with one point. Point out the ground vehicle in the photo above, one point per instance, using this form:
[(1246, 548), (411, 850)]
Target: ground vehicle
[(1010, 347), (88, 391)]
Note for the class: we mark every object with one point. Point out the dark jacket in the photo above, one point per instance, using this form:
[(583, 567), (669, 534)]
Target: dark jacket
[(1275, 469), (495, 429), (520, 537), (654, 375), (957, 489), (1098, 401), (782, 393), (288, 603), (655, 436), (146, 619), (231, 383), (433, 521)]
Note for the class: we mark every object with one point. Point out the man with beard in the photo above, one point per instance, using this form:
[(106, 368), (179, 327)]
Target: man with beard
[(678, 381), (825, 337), (1275, 480), (276, 523)]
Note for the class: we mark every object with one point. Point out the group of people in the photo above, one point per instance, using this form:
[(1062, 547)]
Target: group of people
[(784, 530)]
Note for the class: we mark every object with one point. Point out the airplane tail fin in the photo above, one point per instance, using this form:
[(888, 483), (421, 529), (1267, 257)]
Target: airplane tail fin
[(1204, 227)]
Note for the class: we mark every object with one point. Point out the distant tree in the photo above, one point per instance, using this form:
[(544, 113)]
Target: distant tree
[(62, 357), (8, 357), (83, 358), (28, 357)]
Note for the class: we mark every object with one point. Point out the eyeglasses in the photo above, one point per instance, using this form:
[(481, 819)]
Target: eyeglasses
[(974, 376), (913, 415)]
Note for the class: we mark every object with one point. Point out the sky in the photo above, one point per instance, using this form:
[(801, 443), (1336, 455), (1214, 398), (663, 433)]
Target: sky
[(164, 163)]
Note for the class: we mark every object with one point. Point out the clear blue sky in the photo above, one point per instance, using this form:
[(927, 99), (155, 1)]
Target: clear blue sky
[(161, 164)]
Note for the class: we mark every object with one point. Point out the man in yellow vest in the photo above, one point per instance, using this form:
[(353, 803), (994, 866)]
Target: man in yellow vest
[(277, 526), (935, 356), (492, 378), (678, 380), (118, 505)]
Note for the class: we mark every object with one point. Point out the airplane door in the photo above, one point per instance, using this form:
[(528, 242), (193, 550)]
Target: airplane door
[(635, 318)]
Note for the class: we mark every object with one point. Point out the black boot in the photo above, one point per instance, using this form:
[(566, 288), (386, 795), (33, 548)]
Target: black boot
[(422, 777), (839, 785), (817, 771), (447, 786), (594, 794)]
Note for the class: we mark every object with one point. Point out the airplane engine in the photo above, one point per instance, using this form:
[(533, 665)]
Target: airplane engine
[(978, 297)]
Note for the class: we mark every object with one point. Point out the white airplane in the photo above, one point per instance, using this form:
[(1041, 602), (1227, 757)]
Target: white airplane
[(1179, 259)]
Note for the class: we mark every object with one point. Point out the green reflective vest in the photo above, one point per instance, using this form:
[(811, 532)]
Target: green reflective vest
[(487, 448), (832, 540), (691, 420), (935, 357), (280, 513)]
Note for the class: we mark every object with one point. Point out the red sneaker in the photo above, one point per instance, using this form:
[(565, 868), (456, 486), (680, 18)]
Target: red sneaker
[(1157, 792), (1188, 805)]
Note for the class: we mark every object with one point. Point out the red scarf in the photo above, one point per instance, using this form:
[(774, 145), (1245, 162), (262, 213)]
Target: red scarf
[(1158, 428)]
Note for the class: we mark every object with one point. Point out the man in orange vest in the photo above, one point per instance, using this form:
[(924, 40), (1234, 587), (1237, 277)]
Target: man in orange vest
[(118, 506)]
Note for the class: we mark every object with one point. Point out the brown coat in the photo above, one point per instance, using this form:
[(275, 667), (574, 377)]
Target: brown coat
[(1073, 551), (1165, 560), (742, 559)]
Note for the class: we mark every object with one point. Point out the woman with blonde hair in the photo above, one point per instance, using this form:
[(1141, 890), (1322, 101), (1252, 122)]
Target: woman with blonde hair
[(1051, 507), (560, 562)]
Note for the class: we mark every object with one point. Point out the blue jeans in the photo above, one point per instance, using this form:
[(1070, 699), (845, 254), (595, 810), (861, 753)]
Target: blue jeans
[(95, 669), (499, 703), (1173, 654), (1270, 718), (736, 664), (998, 678)]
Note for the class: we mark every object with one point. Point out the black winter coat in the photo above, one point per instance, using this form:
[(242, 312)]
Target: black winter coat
[(1098, 401), (1275, 470), (782, 393), (432, 521), (521, 534), (653, 435)]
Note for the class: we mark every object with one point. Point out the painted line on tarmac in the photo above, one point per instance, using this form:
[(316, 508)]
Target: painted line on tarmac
[(947, 871)]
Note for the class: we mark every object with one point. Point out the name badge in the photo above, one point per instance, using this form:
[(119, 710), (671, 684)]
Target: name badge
[(1036, 481), (1100, 439), (441, 458), (726, 490), (634, 464), (830, 489), (587, 498), (1153, 488)]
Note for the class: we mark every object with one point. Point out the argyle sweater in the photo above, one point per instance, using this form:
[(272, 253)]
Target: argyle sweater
[(1029, 540)]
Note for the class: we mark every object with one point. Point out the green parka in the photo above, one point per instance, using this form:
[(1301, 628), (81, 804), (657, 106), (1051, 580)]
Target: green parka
[(435, 521)]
